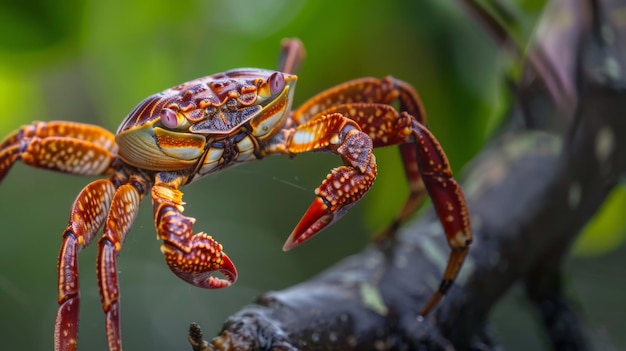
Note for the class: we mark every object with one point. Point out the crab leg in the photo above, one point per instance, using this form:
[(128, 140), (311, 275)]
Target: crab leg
[(427, 158), (345, 185), (124, 209), (291, 56), (87, 216), (367, 102), (385, 91), (61, 146), (192, 257), (72, 148)]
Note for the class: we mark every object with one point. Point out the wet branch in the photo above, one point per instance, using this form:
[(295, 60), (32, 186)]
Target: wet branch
[(530, 191)]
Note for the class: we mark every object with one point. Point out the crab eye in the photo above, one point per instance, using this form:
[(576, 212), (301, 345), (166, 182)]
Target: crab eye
[(277, 83), (170, 119)]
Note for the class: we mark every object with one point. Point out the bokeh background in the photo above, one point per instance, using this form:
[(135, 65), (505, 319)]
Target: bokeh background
[(92, 61)]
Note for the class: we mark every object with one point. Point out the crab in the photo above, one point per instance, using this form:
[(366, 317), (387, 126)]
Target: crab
[(206, 125)]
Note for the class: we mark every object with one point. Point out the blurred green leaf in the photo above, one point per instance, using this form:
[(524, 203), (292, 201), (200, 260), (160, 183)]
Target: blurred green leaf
[(20, 92), (607, 230), (37, 24)]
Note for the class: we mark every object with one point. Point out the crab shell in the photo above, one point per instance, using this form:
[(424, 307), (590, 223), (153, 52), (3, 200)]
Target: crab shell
[(174, 129)]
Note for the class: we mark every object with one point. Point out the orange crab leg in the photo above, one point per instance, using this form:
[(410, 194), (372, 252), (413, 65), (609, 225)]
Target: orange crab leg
[(368, 102), (78, 149), (410, 103), (192, 257), (422, 153), (61, 146), (124, 209), (345, 185), (385, 91), (291, 56), (87, 216)]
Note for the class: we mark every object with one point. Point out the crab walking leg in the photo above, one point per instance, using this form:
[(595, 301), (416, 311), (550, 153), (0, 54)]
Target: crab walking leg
[(291, 56), (379, 91), (122, 213), (87, 216), (448, 201), (417, 193), (61, 146), (345, 185), (421, 153), (410, 103), (363, 90), (192, 257)]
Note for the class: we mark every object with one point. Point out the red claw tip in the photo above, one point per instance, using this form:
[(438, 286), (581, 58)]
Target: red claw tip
[(316, 218), (228, 270), (206, 279)]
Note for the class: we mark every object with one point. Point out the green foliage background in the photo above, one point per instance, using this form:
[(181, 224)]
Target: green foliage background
[(92, 61)]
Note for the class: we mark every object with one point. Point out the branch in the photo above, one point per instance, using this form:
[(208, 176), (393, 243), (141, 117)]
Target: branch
[(530, 191)]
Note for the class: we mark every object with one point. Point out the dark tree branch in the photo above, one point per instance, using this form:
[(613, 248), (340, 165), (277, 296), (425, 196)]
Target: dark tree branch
[(530, 191)]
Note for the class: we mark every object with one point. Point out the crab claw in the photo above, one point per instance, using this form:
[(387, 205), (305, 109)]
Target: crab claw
[(314, 220), (341, 190), (228, 270), (202, 276)]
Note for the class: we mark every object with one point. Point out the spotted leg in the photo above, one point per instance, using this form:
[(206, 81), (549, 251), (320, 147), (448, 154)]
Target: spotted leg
[(77, 149), (66, 147), (192, 257), (87, 216), (124, 208), (345, 185), (385, 91), (368, 102), (390, 127)]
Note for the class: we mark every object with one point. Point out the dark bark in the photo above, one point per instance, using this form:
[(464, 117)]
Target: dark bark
[(530, 191)]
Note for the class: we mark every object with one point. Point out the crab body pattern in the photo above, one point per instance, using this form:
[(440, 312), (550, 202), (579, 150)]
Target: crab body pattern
[(208, 124)]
